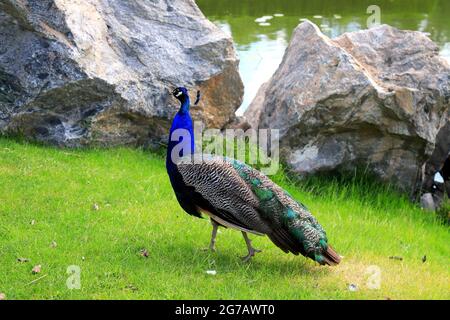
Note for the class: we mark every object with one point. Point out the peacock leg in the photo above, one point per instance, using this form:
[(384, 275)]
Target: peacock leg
[(251, 250), (212, 244)]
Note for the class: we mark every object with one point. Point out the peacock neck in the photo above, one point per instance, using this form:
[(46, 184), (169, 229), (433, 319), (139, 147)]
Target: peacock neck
[(185, 106), (181, 135)]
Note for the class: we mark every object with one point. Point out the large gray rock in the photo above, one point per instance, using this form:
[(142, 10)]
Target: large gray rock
[(375, 98), (427, 202), (76, 72)]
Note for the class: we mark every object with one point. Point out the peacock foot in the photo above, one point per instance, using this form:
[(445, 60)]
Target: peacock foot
[(251, 251), (212, 243), (251, 254), (210, 248)]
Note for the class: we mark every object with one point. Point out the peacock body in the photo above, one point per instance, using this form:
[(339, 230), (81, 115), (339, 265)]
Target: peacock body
[(235, 195)]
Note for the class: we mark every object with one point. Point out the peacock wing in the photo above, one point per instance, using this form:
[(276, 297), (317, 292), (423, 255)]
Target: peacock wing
[(218, 190)]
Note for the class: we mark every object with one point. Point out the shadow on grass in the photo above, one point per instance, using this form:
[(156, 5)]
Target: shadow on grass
[(228, 260)]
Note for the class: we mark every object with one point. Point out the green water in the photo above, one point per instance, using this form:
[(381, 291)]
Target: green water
[(261, 44)]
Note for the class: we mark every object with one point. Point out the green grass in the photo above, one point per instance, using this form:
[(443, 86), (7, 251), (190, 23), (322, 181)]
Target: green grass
[(57, 188)]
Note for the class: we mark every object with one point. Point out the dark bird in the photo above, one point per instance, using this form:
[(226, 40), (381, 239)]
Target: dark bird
[(237, 196)]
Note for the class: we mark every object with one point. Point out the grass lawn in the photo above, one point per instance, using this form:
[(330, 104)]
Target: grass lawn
[(47, 196)]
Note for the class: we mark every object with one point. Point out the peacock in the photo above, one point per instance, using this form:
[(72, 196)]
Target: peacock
[(236, 196)]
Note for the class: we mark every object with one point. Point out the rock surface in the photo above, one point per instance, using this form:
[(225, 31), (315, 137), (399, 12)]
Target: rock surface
[(427, 202), (375, 98), (80, 72)]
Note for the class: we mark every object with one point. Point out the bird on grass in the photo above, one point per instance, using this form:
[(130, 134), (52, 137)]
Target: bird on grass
[(236, 196)]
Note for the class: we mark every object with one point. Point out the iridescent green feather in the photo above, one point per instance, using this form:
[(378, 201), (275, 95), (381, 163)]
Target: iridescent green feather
[(297, 225)]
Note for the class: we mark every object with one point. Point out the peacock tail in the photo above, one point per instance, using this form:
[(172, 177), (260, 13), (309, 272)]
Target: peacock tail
[(236, 195)]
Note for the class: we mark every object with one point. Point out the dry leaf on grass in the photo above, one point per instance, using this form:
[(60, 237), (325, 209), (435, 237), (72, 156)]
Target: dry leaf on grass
[(396, 258), (144, 253), (36, 269), (132, 287)]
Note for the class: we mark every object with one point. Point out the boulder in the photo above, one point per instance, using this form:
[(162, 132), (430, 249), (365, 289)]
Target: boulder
[(373, 99), (427, 202), (100, 72)]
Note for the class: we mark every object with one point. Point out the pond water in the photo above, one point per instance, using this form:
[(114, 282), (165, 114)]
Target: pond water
[(261, 29)]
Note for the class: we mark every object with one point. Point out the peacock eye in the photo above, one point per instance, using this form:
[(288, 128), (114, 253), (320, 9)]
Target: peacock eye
[(177, 92)]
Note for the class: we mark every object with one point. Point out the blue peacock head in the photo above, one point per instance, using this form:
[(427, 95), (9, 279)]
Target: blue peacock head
[(181, 93)]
